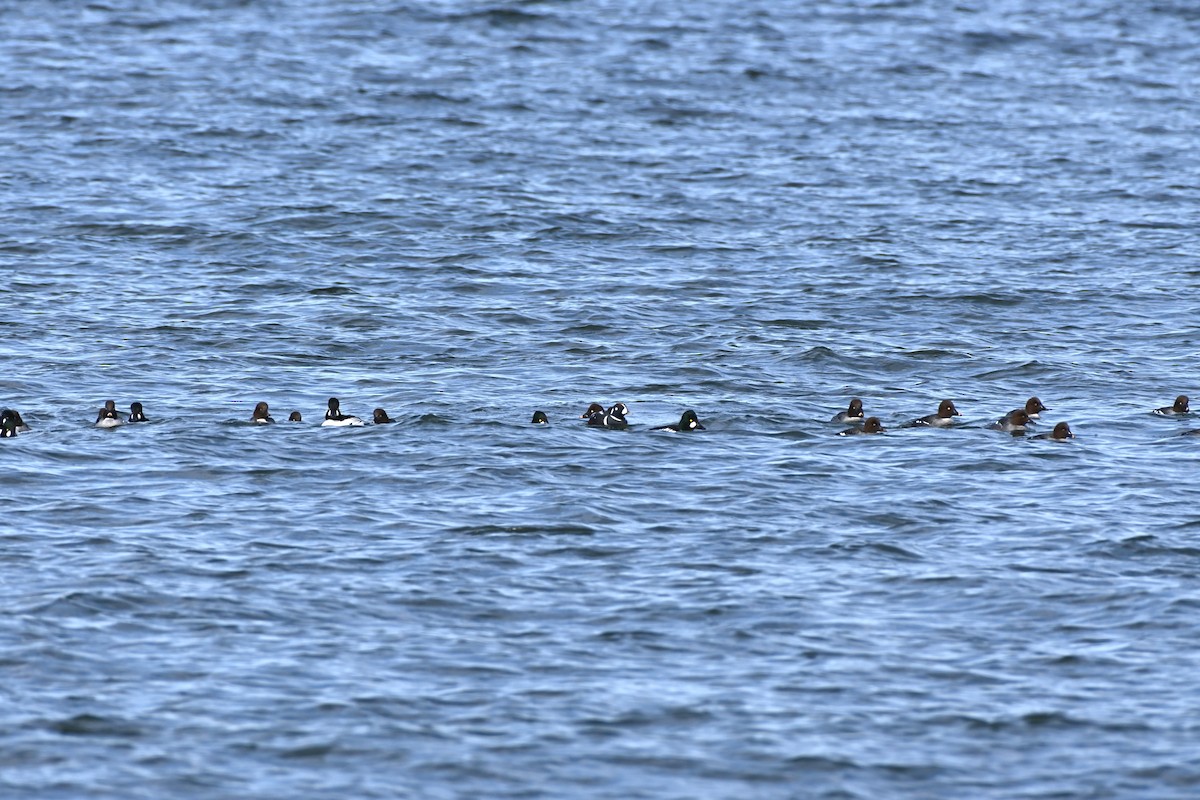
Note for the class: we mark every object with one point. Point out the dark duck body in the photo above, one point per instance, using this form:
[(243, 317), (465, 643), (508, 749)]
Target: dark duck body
[(688, 422), (943, 418), (612, 418), (853, 413)]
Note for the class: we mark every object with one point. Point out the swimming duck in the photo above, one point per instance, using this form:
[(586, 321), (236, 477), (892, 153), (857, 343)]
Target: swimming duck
[(1033, 407), (20, 425), (539, 418), (262, 414), (335, 418), (1012, 422), (295, 417), (1180, 407), (870, 425), (688, 422), (613, 418), (380, 417), (1061, 432), (8, 423), (594, 408), (943, 418), (854, 413), (136, 414), (109, 417)]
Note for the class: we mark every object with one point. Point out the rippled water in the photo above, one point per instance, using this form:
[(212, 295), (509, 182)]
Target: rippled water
[(464, 211)]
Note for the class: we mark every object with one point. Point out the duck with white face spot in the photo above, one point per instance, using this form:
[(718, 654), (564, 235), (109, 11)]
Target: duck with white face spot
[(687, 423)]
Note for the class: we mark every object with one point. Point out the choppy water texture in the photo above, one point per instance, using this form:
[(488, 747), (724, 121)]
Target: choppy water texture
[(463, 211)]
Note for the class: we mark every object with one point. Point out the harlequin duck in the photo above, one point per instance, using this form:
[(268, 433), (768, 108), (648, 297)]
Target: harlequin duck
[(19, 423), (613, 418), (594, 408), (8, 423)]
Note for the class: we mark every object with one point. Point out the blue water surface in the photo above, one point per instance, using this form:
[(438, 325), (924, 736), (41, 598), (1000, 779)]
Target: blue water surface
[(463, 211)]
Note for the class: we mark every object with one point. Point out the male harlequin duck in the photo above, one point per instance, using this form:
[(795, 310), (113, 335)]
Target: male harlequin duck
[(380, 417), (335, 418), (852, 414), (1012, 422), (262, 414), (943, 418), (1180, 407), (594, 408), (539, 418), (295, 417), (613, 418), (109, 417), (8, 423), (688, 422), (19, 424), (1061, 432), (136, 414), (870, 425)]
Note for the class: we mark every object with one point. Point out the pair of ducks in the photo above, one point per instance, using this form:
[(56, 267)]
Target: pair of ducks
[(1014, 422), (614, 418), (109, 417), (334, 418)]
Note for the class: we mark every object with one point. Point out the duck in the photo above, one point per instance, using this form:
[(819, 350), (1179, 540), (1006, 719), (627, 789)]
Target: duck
[(853, 413), (1179, 407), (295, 417), (262, 414), (1061, 432), (136, 414), (612, 418), (19, 423), (109, 417), (335, 418), (594, 408), (539, 418), (8, 423), (1033, 407), (380, 417), (688, 422), (1012, 422), (870, 425), (943, 418)]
